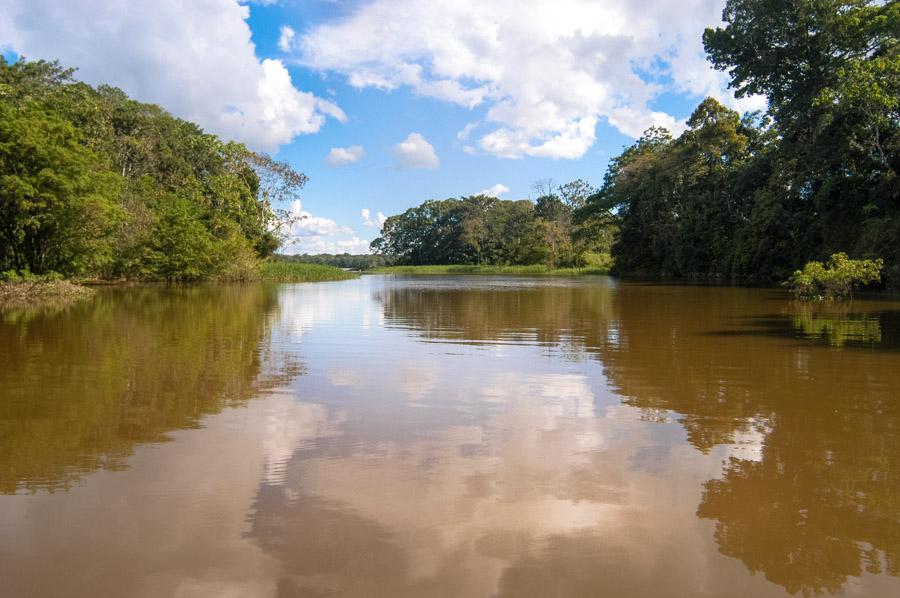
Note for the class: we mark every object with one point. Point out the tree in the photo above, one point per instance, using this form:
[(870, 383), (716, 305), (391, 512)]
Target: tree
[(278, 185), (57, 205), (576, 193), (180, 248), (676, 200), (830, 70), (469, 230)]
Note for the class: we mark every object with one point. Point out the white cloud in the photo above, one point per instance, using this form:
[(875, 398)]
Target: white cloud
[(307, 225), (547, 71), (466, 131), (312, 245), (416, 152), (367, 220), (338, 156), (286, 39), (196, 59), (494, 190), (315, 234)]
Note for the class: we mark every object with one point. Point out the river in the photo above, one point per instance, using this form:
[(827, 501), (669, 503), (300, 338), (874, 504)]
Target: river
[(450, 436)]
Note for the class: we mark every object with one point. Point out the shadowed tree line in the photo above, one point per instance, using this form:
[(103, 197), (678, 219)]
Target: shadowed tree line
[(93, 183), (756, 197)]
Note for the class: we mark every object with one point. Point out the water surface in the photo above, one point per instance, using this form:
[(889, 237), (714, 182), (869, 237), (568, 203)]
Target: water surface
[(450, 436)]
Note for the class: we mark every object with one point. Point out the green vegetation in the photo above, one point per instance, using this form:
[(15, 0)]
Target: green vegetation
[(835, 280), (283, 271), (532, 270), (96, 185), (754, 197), (339, 260), (555, 231)]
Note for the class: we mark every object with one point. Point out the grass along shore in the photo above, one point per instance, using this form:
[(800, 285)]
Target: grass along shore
[(282, 271), (532, 270)]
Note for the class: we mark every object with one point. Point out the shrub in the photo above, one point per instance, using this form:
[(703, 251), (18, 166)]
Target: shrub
[(10, 276), (15, 276), (594, 259), (835, 279)]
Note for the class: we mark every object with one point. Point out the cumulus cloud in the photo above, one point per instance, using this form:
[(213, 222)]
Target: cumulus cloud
[(494, 190), (196, 59), (307, 225), (286, 39), (312, 245), (416, 152), (548, 71), (366, 216), (316, 234), (338, 156)]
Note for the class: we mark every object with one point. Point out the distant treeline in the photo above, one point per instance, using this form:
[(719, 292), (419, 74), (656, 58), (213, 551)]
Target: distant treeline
[(553, 230), (731, 197), (93, 183), (340, 260)]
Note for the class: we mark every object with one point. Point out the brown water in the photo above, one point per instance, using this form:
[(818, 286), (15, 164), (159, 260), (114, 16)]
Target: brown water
[(465, 436)]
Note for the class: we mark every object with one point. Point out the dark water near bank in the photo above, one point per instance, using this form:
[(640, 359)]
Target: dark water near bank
[(464, 436)]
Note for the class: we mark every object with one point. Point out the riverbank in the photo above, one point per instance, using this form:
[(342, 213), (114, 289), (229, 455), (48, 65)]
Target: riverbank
[(532, 270), (43, 292), (40, 293)]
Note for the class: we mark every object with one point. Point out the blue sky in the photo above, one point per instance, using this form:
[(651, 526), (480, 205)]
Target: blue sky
[(486, 95)]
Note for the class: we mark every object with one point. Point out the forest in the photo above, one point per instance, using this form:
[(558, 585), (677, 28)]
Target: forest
[(96, 185), (749, 197)]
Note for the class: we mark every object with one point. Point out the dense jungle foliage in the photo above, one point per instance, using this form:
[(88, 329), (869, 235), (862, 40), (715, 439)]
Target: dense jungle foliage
[(758, 196), (750, 197), (95, 184)]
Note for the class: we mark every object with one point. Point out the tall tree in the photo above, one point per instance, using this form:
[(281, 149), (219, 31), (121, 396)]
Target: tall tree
[(57, 206)]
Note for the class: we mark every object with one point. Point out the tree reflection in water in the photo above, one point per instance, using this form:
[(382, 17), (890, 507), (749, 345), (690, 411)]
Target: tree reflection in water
[(81, 387), (818, 501)]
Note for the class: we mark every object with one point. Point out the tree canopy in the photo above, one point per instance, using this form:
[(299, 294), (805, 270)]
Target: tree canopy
[(486, 230), (756, 197), (93, 183)]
